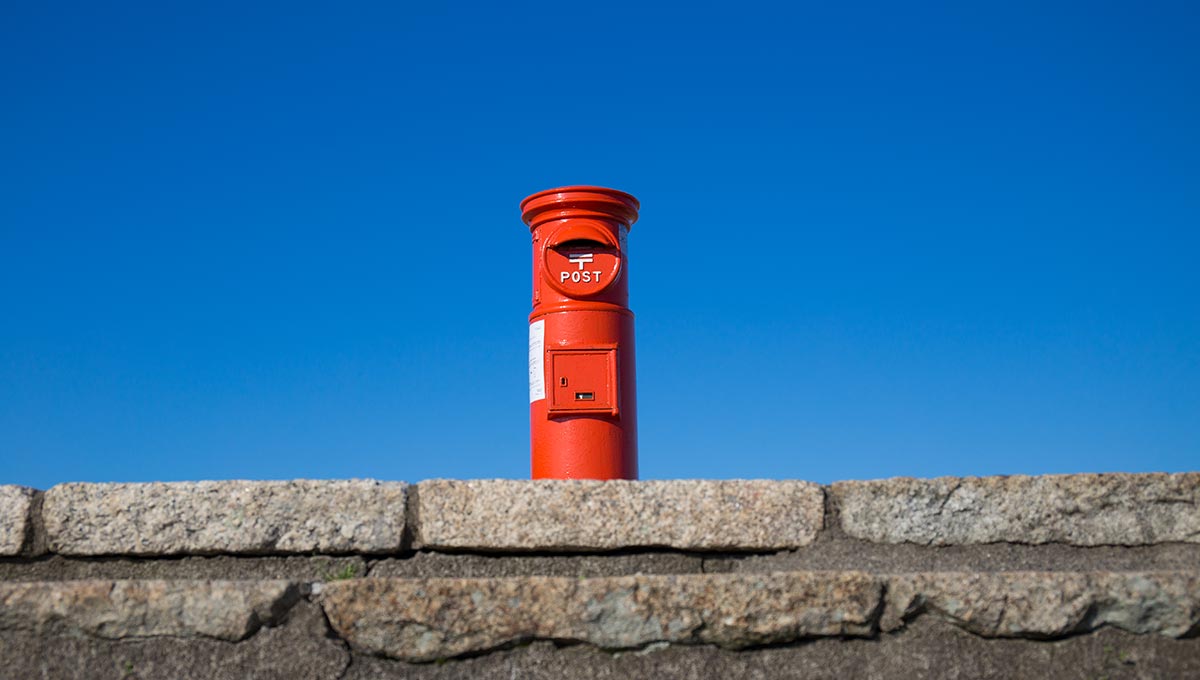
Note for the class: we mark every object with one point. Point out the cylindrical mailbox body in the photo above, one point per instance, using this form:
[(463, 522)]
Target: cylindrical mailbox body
[(582, 392)]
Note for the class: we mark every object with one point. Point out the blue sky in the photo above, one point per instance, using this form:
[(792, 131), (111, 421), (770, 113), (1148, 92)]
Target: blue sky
[(277, 240)]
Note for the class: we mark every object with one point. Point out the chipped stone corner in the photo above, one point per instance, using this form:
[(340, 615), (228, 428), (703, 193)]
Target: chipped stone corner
[(17, 507)]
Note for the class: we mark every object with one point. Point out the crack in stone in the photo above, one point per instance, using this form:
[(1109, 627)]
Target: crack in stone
[(941, 508)]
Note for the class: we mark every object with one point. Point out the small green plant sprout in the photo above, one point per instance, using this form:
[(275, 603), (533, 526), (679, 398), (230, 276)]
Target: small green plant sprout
[(347, 572)]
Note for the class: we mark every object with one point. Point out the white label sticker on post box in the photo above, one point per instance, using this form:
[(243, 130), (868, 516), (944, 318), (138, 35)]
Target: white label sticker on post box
[(537, 360)]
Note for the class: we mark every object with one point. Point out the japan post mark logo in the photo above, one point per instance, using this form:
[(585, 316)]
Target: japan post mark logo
[(581, 259), (582, 275)]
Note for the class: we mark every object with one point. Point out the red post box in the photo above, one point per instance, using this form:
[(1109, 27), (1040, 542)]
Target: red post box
[(582, 397)]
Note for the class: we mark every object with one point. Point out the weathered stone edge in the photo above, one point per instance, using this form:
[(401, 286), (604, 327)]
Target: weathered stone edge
[(431, 619), (591, 515), (1076, 509), (957, 511), (16, 523), (439, 618), (145, 608), (230, 517), (1047, 605)]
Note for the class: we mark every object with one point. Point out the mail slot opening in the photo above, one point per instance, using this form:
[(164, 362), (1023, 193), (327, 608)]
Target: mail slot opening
[(585, 396), (581, 244)]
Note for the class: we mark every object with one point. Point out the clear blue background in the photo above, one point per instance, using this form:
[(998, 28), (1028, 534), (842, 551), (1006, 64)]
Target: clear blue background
[(277, 240)]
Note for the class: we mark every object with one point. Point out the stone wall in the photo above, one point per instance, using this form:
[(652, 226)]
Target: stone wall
[(1076, 576)]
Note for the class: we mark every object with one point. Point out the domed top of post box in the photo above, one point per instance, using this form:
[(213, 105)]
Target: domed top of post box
[(579, 201)]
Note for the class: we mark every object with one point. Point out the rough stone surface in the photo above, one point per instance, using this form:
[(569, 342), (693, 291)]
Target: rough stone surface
[(218, 567), (15, 520), (431, 619), (1048, 604), (431, 564), (225, 610), (234, 517), (301, 649), (925, 651), (1083, 576), (1089, 509), (608, 515)]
